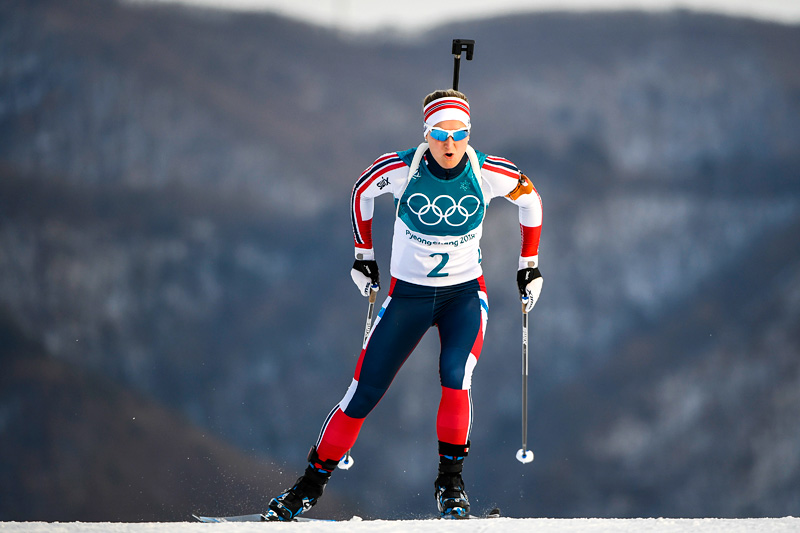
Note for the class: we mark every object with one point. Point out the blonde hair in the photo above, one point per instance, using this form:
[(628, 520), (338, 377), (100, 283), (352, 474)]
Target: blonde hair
[(444, 93)]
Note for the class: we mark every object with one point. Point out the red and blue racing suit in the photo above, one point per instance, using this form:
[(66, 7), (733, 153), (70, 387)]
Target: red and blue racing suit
[(436, 280)]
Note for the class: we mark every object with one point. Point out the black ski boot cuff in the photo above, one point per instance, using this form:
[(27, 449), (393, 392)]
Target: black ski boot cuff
[(328, 465), (453, 450), (318, 471)]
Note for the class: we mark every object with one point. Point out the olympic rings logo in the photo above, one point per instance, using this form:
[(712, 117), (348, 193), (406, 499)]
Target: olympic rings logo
[(443, 207)]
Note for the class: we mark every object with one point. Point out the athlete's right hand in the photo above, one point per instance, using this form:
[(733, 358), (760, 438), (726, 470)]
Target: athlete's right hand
[(365, 274)]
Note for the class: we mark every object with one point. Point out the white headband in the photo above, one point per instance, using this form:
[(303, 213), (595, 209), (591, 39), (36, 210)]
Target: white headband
[(447, 108)]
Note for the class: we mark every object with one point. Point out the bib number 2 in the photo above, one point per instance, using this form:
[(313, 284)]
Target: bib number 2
[(437, 270)]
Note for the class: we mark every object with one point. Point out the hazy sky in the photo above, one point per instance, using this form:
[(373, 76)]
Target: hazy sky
[(369, 15)]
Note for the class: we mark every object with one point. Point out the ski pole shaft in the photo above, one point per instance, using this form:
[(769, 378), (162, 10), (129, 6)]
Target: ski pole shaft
[(524, 455), (524, 380), (347, 461), (373, 295)]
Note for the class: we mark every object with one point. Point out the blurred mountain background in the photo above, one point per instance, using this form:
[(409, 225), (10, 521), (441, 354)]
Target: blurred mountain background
[(176, 314)]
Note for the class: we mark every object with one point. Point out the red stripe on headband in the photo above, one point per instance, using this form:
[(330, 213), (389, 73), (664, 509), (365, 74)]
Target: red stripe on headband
[(445, 103)]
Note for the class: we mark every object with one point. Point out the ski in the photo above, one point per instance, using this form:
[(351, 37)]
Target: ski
[(250, 518), (494, 513)]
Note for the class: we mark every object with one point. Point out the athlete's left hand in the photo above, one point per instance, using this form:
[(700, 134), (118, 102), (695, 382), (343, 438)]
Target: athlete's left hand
[(529, 283)]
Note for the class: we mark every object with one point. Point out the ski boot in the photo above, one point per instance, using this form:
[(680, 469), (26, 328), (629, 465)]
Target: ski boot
[(450, 495), (305, 492)]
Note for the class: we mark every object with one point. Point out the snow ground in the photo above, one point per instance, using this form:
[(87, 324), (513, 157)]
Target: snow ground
[(498, 525)]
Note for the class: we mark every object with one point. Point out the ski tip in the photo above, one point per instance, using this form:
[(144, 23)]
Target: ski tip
[(494, 513), (258, 517), (205, 519)]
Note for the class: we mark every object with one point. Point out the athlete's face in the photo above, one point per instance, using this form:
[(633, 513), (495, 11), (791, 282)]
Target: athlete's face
[(448, 153)]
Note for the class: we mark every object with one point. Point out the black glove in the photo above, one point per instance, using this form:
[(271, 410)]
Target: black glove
[(365, 274), (529, 283)]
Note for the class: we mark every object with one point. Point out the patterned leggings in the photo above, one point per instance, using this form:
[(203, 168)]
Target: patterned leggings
[(460, 312)]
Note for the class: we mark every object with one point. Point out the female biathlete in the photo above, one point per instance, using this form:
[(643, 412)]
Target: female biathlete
[(441, 190)]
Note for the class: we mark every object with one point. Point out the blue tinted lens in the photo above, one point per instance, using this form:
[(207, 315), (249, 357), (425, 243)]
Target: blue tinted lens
[(442, 135), (439, 135), (460, 135)]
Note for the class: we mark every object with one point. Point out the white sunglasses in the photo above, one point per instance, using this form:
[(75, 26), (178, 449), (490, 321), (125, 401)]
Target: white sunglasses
[(441, 134)]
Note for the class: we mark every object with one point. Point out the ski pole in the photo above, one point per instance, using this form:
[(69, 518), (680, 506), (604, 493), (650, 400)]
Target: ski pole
[(524, 455), (373, 295), (461, 45), (347, 461)]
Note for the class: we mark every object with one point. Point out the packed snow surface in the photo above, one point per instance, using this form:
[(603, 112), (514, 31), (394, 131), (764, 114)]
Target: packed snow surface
[(499, 525)]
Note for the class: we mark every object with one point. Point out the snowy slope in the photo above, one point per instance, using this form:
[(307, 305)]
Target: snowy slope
[(504, 525)]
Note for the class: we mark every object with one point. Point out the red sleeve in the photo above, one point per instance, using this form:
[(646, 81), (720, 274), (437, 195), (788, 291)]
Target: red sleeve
[(530, 240)]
